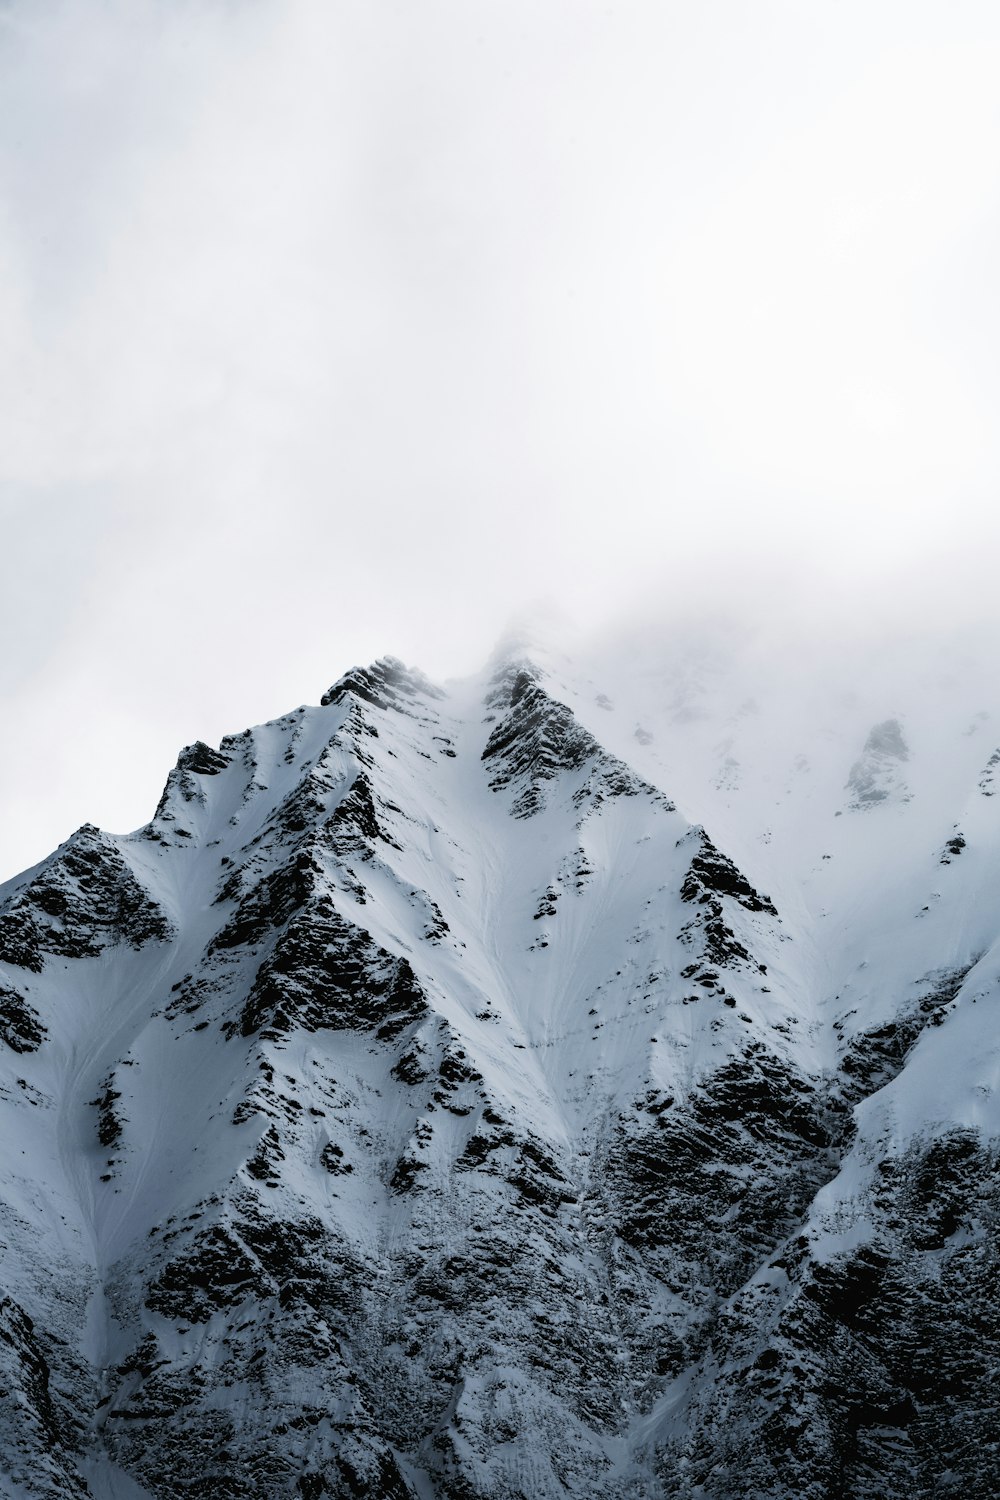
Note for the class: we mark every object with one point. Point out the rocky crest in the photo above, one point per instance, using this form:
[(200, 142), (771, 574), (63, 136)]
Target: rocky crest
[(877, 776), (83, 898), (422, 1107)]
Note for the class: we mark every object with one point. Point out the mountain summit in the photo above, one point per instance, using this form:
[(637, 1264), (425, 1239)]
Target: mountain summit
[(569, 1082)]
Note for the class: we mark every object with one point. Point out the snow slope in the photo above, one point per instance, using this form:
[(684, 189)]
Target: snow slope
[(578, 1081)]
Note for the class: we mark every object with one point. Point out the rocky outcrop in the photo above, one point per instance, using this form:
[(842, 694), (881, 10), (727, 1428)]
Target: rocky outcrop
[(877, 776), (862, 1371), (326, 973), (538, 740), (21, 1027), (84, 898)]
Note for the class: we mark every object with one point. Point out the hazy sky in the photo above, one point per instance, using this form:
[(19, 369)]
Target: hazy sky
[(329, 329)]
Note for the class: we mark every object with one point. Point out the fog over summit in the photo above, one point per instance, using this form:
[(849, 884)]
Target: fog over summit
[(331, 331)]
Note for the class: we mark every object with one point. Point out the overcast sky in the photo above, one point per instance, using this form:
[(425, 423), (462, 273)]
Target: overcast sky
[(337, 327)]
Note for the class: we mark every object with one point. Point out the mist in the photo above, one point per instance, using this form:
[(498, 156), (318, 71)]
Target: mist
[(334, 330)]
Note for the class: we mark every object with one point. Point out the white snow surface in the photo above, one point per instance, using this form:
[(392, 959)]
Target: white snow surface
[(547, 948)]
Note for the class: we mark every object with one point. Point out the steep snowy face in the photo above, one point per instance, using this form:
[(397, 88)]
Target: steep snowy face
[(559, 1084)]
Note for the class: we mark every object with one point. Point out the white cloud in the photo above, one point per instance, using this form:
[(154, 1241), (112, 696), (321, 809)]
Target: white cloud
[(327, 330)]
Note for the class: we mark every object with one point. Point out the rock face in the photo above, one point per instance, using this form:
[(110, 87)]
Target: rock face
[(877, 776), (85, 898), (421, 1107)]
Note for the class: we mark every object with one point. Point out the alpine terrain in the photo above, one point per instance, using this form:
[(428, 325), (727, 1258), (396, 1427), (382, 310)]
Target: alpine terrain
[(576, 1081)]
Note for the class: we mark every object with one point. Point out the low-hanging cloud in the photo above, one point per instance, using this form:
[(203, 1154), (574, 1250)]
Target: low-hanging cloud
[(327, 330)]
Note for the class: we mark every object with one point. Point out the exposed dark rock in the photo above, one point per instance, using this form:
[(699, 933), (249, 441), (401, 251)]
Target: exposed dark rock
[(201, 760), (436, 927), (354, 826), (264, 1166), (721, 1180), (84, 898), (109, 1123), (386, 684), (42, 1435), (538, 1178), (332, 1158), (326, 973), (406, 1174), (539, 739), (876, 1378), (710, 877), (269, 904), (20, 1024), (873, 1058), (952, 849), (712, 873), (987, 781), (213, 1275), (547, 904), (412, 1066)]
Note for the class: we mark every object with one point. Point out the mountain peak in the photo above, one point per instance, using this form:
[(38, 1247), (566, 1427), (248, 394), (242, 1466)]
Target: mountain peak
[(434, 1102), (386, 683)]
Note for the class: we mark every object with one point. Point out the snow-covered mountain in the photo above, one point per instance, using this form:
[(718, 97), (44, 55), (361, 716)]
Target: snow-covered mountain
[(579, 1081)]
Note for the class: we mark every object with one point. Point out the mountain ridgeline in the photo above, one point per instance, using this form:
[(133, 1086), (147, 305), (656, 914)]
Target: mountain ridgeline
[(547, 1087)]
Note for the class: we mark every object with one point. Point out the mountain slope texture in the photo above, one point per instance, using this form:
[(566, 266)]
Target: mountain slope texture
[(576, 1081)]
